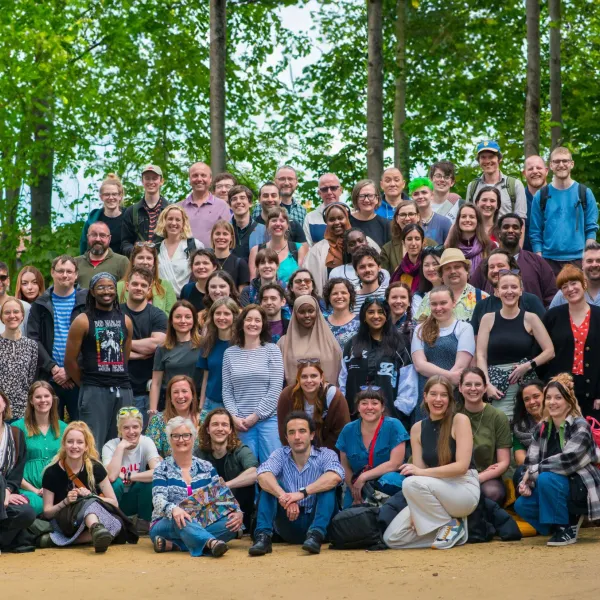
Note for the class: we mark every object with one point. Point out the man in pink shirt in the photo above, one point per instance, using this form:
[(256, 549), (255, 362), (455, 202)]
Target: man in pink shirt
[(202, 208)]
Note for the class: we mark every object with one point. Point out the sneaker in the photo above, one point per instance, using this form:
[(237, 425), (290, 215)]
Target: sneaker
[(564, 536), (449, 535)]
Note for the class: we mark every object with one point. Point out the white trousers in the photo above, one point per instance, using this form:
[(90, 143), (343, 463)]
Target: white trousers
[(432, 502)]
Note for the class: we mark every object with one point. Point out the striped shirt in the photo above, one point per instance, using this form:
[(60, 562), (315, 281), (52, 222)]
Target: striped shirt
[(378, 293), (252, 380), (281, 463), (63, 309)]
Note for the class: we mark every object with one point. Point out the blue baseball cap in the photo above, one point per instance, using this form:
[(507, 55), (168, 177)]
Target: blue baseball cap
[(489, 145)]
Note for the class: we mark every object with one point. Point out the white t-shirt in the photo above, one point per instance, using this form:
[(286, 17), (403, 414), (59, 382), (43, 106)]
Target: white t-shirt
[(134, 461), (463, 331)]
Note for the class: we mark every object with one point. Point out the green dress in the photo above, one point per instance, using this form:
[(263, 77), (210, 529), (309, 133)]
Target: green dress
[(41, 449)]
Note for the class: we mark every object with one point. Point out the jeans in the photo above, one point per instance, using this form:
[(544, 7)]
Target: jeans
[(262, 439), (192, 537), (389, 483), (548, 503), (142, 403), (137, 500), (208, 406), (68, 399), (294, 532)]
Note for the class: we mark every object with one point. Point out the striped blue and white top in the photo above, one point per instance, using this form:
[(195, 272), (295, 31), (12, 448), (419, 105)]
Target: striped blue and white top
[(63, 308), (281, 463), (252, 380), (360, 298)]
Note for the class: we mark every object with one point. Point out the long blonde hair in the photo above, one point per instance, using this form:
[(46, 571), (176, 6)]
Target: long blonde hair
[(30, 421), (90, 454), (430, 330), (186, 229)]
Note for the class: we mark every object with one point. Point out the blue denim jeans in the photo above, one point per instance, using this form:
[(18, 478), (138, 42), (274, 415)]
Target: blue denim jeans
[(208, 406), (548, 503), (262, 439), (142, 403), (192, 537), (270, 513), (389, 483)]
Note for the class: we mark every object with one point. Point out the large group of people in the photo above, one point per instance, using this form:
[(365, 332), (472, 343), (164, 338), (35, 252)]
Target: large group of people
[(212, 368)]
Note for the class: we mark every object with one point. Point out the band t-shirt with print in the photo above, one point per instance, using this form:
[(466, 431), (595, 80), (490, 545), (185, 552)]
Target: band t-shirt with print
[(103, 350)]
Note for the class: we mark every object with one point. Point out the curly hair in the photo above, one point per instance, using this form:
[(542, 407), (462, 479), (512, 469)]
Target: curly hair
[(233, 441)]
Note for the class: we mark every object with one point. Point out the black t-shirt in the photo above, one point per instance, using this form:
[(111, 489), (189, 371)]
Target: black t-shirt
[(242, 239), (115, 225), (378, 229), (237, 268), (219, 465), (103, 350), (145, 323), (57, 481), (192, 294)]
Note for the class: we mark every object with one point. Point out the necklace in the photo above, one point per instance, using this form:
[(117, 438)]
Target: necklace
[(480, 420), (278, 252)]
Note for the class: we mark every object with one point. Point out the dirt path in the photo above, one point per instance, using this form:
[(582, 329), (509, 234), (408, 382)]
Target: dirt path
[(516, 571)]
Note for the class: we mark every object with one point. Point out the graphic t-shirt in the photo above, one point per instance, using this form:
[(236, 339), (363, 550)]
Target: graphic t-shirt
[(134, 461), (103, 350)]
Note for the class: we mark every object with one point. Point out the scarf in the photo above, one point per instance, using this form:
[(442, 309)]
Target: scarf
[(335, 253), (8, 451), (317, 342), (473, 252), (407, 272), (523, 431)]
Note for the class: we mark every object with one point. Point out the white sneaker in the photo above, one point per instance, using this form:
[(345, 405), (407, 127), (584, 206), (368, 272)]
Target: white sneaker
[(449, 535)]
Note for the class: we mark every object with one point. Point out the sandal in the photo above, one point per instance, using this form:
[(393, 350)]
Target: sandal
[(217, 547), (160, 545)]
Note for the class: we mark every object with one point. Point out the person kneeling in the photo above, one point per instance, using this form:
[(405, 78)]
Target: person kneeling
[(193, 508), (298, 494), (441, 485), (561, 479)]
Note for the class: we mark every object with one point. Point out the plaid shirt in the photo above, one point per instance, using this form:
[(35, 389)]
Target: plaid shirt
[(579, 455), (296, 212)]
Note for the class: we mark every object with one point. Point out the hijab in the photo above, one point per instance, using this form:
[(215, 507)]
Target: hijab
[(317, 342), (335, 253)]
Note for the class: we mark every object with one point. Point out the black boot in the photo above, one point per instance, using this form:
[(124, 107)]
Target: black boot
[(313, 541), (262, 545)]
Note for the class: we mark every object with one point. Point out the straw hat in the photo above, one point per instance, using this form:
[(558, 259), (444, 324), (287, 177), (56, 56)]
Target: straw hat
[(451, 255)]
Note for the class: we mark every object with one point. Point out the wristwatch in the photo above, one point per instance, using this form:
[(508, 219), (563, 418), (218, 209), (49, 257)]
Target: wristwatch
[(532, 364), (303, 492)]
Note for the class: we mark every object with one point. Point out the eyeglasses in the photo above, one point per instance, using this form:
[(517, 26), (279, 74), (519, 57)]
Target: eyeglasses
[(367, 196), (105, 288), (128, 410), (407, 215), (111, 195), (309, 361), (329, 188), (365, 388), (186, 437), (435, 249), (509, 272), (145, 245), (102, 236), (561, 161), (442, 178)]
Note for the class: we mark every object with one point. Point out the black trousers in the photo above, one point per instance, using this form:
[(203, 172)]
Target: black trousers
[(18, 518)]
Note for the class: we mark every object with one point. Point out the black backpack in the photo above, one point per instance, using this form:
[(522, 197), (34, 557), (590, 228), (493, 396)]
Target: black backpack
[(545, 194), (356, 528)]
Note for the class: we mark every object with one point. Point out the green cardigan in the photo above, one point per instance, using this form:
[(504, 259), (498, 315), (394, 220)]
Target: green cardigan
[(165, 302)]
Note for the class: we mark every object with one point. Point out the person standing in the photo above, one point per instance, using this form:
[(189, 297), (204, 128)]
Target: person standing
[(51, 317), (367, 265), (266, 264), (286, 179), (392, 185), (365, 201), (149, 329), (202, 208), (101, 337), (4, 295), (222, 236), (222, 183), (536, 174), (140, 220), (203, 263), (435, 226), (99, 256), (330, 191), (444, 202), (239, 199), (512, 191), (30, 284), (271, 298)]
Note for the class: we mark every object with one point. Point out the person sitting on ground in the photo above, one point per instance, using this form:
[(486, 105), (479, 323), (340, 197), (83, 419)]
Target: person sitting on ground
[(42, 432), (271, 298), (180, 401), (562, 449), (266, 264), (365, 201), (441, 485), (339, 296), (222, 237), (323, 403), (203, 262), (162, 295), (16, 514), (372, 449), (298, 490), (234, 461), (182, 488), (492, 438), (129, 461), (78, 497)]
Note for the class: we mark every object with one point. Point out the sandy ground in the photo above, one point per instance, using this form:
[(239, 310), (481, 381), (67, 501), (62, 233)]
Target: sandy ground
[(517, 570)]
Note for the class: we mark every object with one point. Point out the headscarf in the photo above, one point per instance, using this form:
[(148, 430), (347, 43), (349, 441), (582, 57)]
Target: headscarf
[(98, 276), (335, 254), (317, 342)]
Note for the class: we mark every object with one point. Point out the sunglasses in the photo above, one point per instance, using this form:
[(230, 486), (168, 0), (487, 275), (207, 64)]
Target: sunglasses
[(3, 278), (128, 410), (435, 249), (145, 245), (309, 361), (329, 188), (365, 388), (509, 272)]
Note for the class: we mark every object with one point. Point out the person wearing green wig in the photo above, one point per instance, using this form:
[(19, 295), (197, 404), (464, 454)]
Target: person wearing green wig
[(435, 226)]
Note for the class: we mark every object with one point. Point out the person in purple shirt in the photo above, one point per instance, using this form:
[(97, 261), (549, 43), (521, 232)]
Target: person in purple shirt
[(203, 208), (436, 227)]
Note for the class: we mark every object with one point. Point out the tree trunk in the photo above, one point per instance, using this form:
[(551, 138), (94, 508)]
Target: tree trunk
[(42, 167), (555, 79), (532, 100), (401, 145), (218, 30), (375, 89)]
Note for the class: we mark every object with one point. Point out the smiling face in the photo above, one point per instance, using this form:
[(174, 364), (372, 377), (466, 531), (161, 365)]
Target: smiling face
[(138, 288), (131, 430), (375, 317), (455, 274), (339, 298), (306, 315), (370, 410), (111, 196), (406, 215), (431, 271), (496, 263), (472, 388), (200, 178), (202, 267), (183, 320), (11, 314), (240, 205), (287, 181), (422, 197), (98, 238), (557, 406), (182, 440), (488, 204), (489, 162), (253, 324), (442, 305), (441, 182), (278, 226), (510, 290), (367, 270), (267, 270), (311, 380), (398, 300), (223, 318), (467, 221), (561, 164), (302, 284), (367, 200), (437, 400), (219, 429), (269, 197), (510, 232), (573, 291), (75, 445), (218, 288), (535, 172), (174, 223), (221, 239), (356, 240), (104, 292), (181, 397), (41, 400), (145, 259), (272, 303), (152, 182), (591, 265), (337, 221), (533, 399)]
